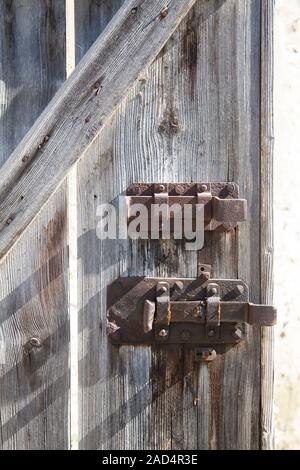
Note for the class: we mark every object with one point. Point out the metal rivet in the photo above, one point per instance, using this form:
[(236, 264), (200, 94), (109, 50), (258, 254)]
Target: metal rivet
[(213, 291), (25, 158), (163, 333), (203, 187), (36, 342), (211, 333), (162, 187)]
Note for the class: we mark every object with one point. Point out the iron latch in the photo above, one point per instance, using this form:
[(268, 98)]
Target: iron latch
[(222, 207), (202, 312)]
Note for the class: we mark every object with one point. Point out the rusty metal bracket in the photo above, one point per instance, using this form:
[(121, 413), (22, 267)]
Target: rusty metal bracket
[(202, 312), (222, 207)]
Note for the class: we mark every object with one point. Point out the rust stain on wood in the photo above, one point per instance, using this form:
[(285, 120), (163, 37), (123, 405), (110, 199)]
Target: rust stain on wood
[(189, 52)]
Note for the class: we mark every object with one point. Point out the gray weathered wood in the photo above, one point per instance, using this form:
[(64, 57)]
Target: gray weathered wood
[(193, 115), (33, 287), (267, 243), (81, 108)]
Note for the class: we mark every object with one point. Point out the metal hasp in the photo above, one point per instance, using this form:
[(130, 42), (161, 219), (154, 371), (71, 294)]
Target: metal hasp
[(202, 312), (222, 207)]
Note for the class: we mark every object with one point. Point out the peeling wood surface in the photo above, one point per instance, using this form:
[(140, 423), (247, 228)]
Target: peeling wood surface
[(81, 108), (33, 287), (193, 115)]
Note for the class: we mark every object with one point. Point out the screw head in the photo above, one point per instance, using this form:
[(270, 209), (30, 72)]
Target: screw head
[(211, 333), (35, 342), (163, 333)]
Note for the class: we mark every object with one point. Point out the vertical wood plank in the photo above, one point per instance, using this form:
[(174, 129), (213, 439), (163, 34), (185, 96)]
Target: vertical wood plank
[(34, 326), (194, 115), (267, 242)]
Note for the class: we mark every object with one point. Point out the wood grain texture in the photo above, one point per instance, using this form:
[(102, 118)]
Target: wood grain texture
[(80, 109), (34, 381), (267, 243), (193, 115)]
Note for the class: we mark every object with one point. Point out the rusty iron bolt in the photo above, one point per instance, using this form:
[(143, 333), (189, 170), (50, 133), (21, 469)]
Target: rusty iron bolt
[(163, 333), (35, 342)]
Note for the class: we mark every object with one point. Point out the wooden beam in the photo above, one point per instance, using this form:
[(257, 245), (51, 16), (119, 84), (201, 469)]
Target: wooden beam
[(81, 108)]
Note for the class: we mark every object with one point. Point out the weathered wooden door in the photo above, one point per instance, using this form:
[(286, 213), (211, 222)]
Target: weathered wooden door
[(202, 111)]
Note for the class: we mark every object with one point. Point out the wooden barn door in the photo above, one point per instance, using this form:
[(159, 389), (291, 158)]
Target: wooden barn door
[(201, 112)]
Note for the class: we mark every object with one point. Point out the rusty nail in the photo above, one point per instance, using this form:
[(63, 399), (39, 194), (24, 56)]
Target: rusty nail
[(36, 342), (178, 286), (164, 12), (185, 335), (211, 333), (163, 333), (203, 187)]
